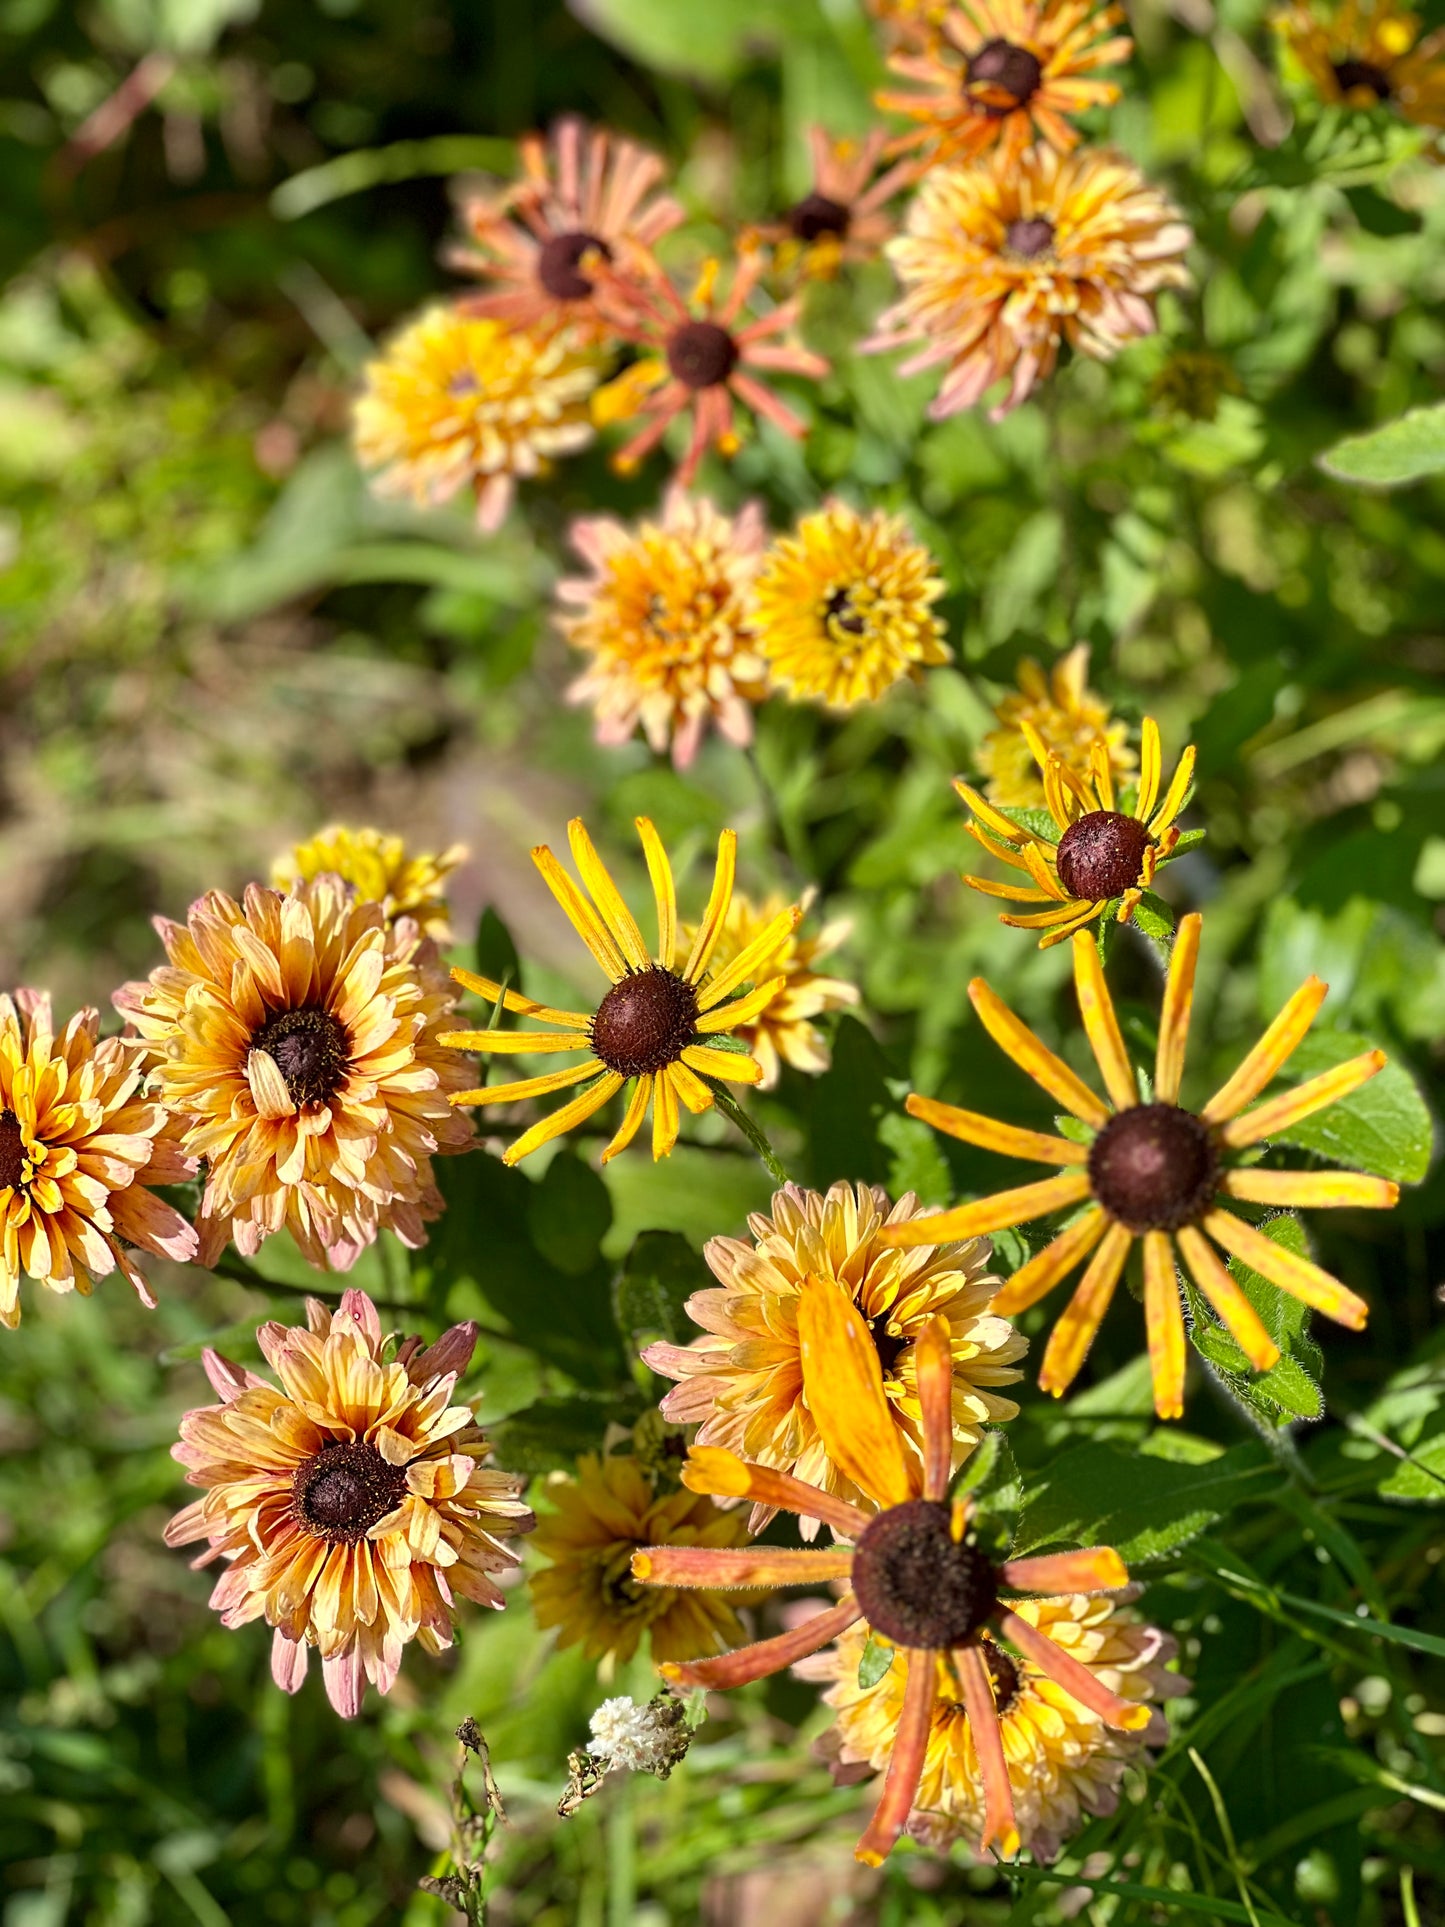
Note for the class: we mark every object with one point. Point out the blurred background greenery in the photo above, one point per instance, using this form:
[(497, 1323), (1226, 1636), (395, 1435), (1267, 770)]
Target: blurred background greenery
[(212, 640)]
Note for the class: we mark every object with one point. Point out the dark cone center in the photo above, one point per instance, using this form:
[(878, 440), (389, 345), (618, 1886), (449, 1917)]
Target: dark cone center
[(1154, 1168), (12, 1152), (1003, 1675), (1102, 855), (558, 269), (888, 1347), (1350, 74), (701, 354), (311, 1050), (840, 614), (1029, 239), (341, 1492), (645, 1022), (1004, 68), (816, 215), (917, 1584)]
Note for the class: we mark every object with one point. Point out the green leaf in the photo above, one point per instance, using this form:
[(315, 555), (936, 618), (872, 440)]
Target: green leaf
[(874, 1661), (552, 1434), (569, 1214), (1289, 1390), (1384, 1127), (846, 1105), (1144, 1507), (658, 1276), (1405, 450), (1154, 918), (991, 1480), (496, 957)]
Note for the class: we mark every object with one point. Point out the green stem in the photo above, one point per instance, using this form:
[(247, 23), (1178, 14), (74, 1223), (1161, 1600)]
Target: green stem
[(755, 1136), (621, 1854)]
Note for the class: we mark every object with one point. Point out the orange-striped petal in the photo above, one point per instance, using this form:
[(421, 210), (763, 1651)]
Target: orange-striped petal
[(994, 1135), (1101, 1024), (1238, 1316), (933, 1364), (1292, 1273), (1035, 1279), (1269, 1055), (843, 1389), (1072, 1336), (1175, 1014), (1095, 1569), (767, 1655), (905, 1768), (1076, 1679), (1032, 1055), (724, 1567), (723, 1475), (999, 1823), (1164, 1321)]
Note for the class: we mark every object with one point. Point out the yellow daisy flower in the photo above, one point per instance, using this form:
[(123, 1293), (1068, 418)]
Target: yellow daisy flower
[(1003, 262), (912, 1571), (1004, 74), (79, 1148), (381, 869), (1155, 1171), (1064, 1763), (459, 401), (1066, 716), (1367, 53), (1101, 855), (600, 1519), (352, 1507), (844, 607), (744, 1379), (295, 1047), (782, 1032), (664, 619), (658, 1028)]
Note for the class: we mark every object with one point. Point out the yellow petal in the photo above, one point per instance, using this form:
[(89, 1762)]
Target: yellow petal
[(843, 1389)]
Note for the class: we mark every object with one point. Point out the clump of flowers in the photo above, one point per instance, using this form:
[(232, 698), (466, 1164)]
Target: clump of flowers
[(999, 75), (586, 200), (665, 622), (597, 1521), (1063, 714), (700, 355), (844, 607), (1101, 855), (642, 1739), (913, 1572), (294, 1044), (1369, 53), (381, 870), (743, 1383), (662, 1029), (352, 1507), (80, 1146), (1004, 263), (1065, 1764), (844, 216), (1157, 1172), (783, 1032), (457, 401)]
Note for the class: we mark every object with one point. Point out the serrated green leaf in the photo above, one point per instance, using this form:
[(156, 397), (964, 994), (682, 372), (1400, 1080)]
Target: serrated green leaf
[(1153, 917), (874, 1661), (1384, 1127), (1146, 1508), (658, 1276), (1404, 450), (1289, 1390)]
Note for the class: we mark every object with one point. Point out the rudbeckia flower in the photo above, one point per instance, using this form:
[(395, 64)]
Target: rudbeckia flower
[(1369, 53), (1063, 714), (843, 217), (381, 869)]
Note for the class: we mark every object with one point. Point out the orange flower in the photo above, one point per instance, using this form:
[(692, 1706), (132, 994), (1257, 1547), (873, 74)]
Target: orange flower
[(1003, 262), (843, 217), (585, 196), (701, 356), (912, 1572), (1154, 1171), (352, 1507), (1006, 73)]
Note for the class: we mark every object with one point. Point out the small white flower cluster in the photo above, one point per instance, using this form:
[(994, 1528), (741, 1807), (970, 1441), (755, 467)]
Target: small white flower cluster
[(646, 1739)]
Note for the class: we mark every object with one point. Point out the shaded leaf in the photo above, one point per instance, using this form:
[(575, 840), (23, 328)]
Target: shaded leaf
[(1384, 1127), (1142, 1506), (552, 1434), (658, 1276), (569, 1213)]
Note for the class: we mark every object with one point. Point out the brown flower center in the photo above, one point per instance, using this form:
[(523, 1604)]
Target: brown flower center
[(701, 354), (312, 1052), (840, 614), (341, 1492), (645, 1022), (816, 215), (1029, 239), (1101, 855), (1003, 1674), (557, 264), (1350, 74), (1000, 67), (1154, 1167), (916, 1583), (12, 1152), (888, 1346)]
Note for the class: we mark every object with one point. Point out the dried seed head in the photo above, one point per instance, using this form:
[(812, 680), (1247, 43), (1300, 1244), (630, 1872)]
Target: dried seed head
[(341, 1492), (1101, 855)]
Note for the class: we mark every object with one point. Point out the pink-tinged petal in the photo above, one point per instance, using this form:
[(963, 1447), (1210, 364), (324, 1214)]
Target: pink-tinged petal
[(905, 1769), (345, 1678), (452, 1353), (933, 1358), (228, 1381), (767, 1655), (289, 1659), (359, 1308)]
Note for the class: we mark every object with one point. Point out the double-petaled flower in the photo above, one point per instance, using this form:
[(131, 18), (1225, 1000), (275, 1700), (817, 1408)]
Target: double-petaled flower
[(912, 1570), (1154, 1171)]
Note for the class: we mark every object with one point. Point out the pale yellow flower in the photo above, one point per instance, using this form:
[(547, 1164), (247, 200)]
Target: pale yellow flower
[(1066, 716), (381, 869)]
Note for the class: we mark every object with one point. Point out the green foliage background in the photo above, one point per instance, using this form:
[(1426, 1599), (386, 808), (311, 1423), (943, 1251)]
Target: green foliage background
[(210, 640)]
